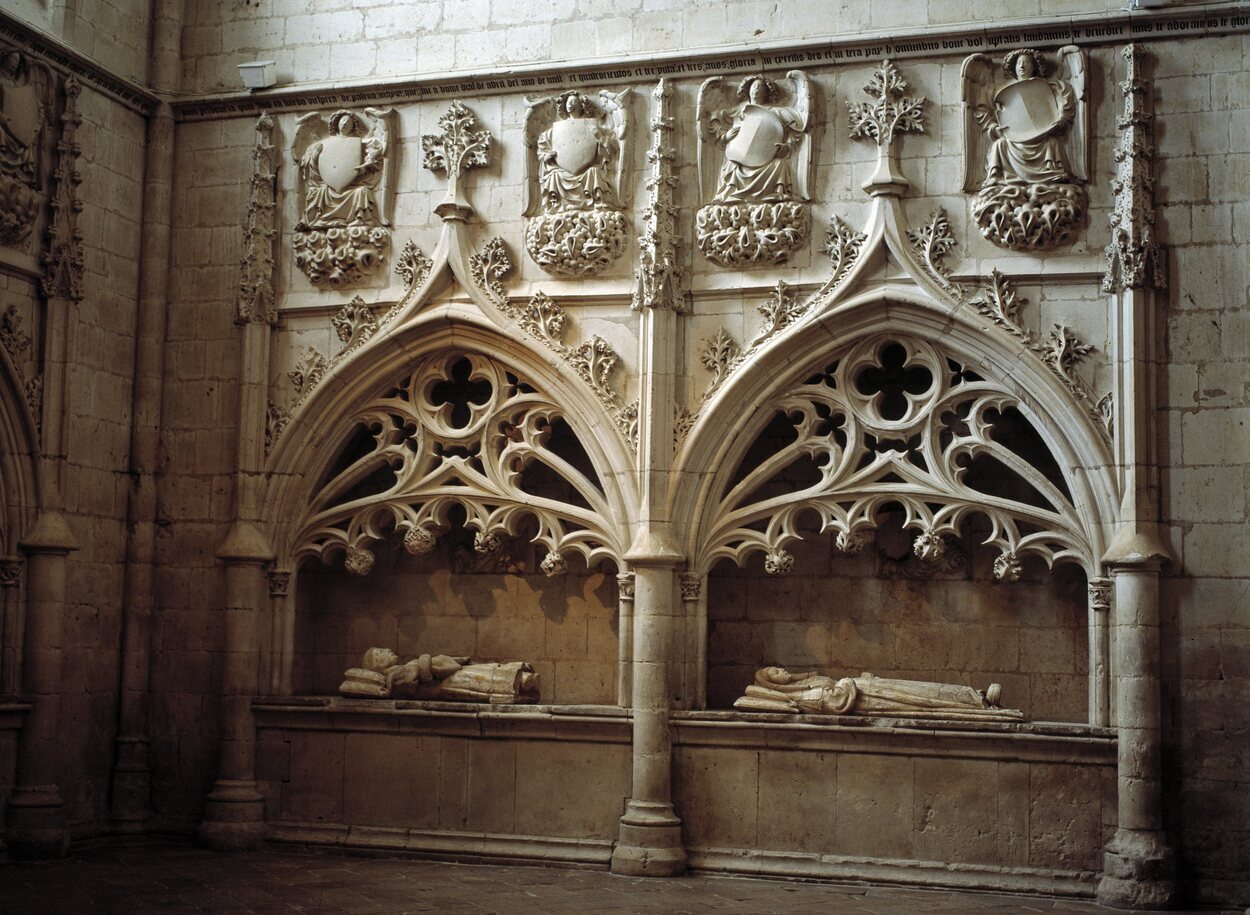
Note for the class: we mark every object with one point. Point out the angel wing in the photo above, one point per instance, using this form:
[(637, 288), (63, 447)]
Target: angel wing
[(977, 81), (713, 117), (310, 130), (539, 117), (616, 116), (1072, 69), (376, 145), (803, 107)]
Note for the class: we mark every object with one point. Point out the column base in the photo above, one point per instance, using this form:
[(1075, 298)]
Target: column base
[(1138, 872), (35, 822), (234, 816), (649, 843)]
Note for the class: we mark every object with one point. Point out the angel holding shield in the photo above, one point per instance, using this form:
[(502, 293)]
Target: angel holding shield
[(577, 155), (1028, 133), (342, 170), (761, 140)]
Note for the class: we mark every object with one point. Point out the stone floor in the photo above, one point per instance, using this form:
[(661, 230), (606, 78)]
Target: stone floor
[(176, 878)]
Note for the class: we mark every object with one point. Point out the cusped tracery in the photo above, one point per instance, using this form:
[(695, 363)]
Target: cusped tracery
[(459, 431), (897, 423)]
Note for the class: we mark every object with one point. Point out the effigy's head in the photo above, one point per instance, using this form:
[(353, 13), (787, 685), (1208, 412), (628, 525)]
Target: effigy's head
[(777, 675), (571, 104), (379, 659), (757, 90)]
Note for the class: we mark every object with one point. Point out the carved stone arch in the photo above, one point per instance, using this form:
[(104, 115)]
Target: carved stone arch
[(321, 428), (19, 467), (1014, 376)]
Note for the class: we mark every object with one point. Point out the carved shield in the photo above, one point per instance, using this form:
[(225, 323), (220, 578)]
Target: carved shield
[(1027, 109), (21, 111), (340, 156), (758, 138), (575, 143)]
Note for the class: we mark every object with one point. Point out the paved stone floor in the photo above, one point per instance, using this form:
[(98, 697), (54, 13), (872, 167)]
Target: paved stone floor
[(175, 878)]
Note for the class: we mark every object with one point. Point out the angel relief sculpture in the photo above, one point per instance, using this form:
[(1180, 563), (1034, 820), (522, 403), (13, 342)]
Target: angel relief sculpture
[(754, 162), (1025, 147), (576, 143), (25, 103), (345, 181)]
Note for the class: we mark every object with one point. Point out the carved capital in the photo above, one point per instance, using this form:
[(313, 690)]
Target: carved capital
[(10, 571), (625, 585), (1100, 594), (691, 586), (279, 582)]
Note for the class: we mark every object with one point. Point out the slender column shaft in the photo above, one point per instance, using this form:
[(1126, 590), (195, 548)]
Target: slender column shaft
[(35, 816), (1099, 652), (625, 640)]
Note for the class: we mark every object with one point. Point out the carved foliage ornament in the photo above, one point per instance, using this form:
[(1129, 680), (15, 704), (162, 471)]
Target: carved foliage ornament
[(26, 103), (896, 422), (1025, 147), (63, 261), (427, 450), (346, 183), (256, 296), (576, 151), (754, 157), (659, 277), (1134, 258)]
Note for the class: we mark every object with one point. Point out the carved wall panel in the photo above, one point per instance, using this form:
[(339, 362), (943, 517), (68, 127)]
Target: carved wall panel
[(1025, 146), (576, 146), (345, 187), (755, 155), (26, 119)]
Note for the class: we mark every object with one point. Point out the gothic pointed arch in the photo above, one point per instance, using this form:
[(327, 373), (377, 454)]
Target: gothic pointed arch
[(888, 401), (448, 412), (19, 437)]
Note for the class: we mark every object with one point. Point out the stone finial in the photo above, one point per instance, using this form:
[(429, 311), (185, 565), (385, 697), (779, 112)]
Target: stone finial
[(890, 113), (458, 148)]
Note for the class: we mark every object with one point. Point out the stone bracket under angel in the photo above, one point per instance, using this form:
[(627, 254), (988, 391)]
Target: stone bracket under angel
[(754, 157), (778, 690), (442, 677), (576, 152), (345, 183), (1025, 147)]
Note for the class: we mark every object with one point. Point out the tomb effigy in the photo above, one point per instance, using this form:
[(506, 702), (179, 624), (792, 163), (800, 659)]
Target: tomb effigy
[(778, 690), (381, 676)]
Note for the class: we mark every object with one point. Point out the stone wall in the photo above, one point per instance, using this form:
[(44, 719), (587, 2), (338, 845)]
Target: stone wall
[(1205, 456)]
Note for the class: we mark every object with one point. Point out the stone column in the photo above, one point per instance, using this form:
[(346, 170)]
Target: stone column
[(650, 833), (694, 669), (36, 816), (1139, 869), (625, 640), (1138, 866), (130, 803), (234, 813), (10, 631), (649, 843), (283, 631), (1100, 652)]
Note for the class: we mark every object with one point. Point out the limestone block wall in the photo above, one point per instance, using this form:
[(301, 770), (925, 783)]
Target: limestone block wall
[(566, 627), (96, 485), (1205, 457), (111, 32), (897, 618)]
